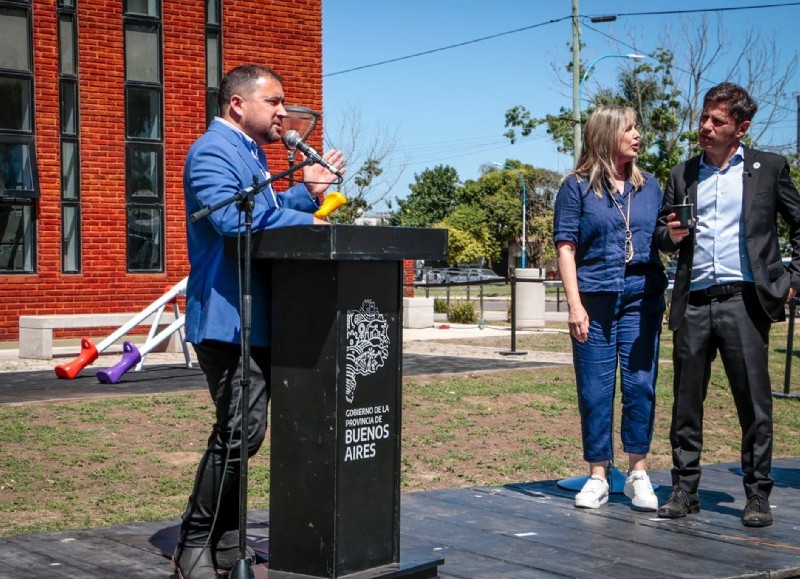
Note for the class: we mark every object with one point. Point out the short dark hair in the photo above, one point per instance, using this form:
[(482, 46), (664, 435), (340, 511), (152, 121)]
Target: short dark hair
[(741, 106), (242, 79)]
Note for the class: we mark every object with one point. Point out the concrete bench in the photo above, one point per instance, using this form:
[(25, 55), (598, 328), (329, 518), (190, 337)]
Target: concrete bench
[(36, 332)]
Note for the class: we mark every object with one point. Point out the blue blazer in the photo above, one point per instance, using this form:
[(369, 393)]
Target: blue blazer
[(219, 164)]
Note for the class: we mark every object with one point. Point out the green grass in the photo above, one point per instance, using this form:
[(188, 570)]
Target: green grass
[(79, 464)]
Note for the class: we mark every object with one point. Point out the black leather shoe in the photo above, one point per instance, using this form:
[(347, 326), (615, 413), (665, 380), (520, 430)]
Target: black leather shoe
[(757, 513), (679, 505), (226, 557), (226, 552), (193, 563)]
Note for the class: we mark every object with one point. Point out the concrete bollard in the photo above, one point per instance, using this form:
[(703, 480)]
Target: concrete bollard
[(417, 312), (530, 298)]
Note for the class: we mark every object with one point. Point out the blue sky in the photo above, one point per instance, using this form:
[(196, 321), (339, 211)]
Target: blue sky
[(448, 107)]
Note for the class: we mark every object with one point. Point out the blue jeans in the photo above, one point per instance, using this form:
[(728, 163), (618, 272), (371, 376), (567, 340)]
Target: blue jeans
[(624, 332)]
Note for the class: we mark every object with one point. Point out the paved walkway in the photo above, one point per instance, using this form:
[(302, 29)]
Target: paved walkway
[(426, 352), (440, 340)]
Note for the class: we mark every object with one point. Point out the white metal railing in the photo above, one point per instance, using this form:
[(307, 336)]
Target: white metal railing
[(90, 352)]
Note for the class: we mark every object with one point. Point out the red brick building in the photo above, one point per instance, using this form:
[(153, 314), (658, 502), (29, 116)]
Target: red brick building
[(101, 100)]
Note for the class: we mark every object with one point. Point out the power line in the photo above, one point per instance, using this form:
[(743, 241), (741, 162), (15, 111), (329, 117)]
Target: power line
[(460, 44), (696, 10), (433, 152), (554, 21)]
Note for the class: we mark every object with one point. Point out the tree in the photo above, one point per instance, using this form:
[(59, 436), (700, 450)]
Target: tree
[(434, 194), (757, 65), (499, 191), (668, 98), (371, 152), (469, 238), (484, 215), (357, 204), (541, 250), (783, 227), (650, 89)]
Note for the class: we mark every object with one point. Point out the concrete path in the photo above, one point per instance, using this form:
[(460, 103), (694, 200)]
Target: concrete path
[(440, 340)]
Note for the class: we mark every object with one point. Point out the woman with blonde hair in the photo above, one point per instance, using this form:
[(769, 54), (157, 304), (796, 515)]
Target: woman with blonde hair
[(605, 215)]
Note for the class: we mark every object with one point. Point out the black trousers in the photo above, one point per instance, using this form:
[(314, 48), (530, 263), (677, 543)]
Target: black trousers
[(216, 485), (738, 328)]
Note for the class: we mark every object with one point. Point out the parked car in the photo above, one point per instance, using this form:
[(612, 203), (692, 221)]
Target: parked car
[(478, 274), (441, 275)]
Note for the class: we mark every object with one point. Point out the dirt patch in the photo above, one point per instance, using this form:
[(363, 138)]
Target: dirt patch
[(181, 459)]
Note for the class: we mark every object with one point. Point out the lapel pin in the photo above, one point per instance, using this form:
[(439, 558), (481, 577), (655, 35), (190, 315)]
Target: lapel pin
[(756, 165)]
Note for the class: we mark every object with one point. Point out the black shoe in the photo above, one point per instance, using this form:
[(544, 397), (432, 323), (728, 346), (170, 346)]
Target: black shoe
[(679, 505), (757, 513), (193, 563), (227, 557)]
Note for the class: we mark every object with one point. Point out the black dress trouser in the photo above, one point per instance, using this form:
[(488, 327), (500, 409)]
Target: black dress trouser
[(217, 475), (737, 327)]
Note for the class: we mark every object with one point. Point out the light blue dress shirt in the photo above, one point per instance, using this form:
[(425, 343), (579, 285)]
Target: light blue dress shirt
[(258, 154), (720, 252)]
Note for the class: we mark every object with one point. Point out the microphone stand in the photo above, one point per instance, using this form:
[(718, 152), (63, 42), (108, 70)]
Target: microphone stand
[(245, 201), (291, 155)]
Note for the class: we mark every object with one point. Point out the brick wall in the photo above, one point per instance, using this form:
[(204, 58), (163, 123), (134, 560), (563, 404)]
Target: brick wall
[(284, 35), (408, 278)]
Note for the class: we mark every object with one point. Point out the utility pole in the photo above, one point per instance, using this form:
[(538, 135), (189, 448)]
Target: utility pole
[(798, 125), (576, 83)]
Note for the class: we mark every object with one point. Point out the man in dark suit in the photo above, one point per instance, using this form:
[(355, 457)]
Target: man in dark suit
[(730, 286)]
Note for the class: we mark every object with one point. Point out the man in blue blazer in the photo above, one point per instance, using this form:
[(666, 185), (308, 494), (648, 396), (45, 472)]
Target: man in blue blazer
[(730, 286), (225, 160)]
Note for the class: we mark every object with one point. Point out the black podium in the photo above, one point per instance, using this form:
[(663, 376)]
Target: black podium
[(336, 397)]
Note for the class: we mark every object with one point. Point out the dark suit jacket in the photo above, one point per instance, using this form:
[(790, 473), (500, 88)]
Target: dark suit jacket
[(768, 190)]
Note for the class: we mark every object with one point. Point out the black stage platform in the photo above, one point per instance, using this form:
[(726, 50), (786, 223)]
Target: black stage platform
[(524, 530), (20, 387)]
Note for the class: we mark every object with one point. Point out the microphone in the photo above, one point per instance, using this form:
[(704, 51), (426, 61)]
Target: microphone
[(292, 140)]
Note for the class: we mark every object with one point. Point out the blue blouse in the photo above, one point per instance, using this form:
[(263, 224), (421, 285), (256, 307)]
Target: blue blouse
[(597, 228)]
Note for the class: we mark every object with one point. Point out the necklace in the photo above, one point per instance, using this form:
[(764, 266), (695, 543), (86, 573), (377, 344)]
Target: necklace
[(627, 220)]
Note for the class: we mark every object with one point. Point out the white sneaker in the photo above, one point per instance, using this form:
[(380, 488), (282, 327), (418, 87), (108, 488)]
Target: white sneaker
[(639, 489), (593, 494)]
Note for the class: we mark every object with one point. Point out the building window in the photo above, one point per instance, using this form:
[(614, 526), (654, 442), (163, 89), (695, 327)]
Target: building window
[(19, 167), (213, 57), (16, 242), (15, 46), (19, 181), (144, 131), (143, 113), (17, 110), (143, 8), (70, 153)]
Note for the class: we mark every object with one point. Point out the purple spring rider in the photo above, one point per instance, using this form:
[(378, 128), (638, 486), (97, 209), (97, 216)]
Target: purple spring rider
[(130, 357)]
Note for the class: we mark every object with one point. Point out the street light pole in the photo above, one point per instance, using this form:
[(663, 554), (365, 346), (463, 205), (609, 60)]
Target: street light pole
[(576, 79), (524, 215), (577, 90), (524, 208), (595, 61)]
